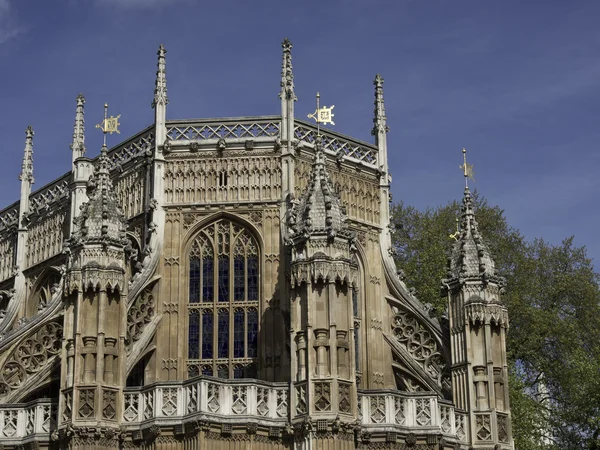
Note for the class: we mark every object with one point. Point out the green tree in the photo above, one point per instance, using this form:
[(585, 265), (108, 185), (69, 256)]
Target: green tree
[(553, 304)]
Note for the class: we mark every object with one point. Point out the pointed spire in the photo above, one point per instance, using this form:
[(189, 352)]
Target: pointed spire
[(78, 144), (471, 257), (380, 120), (287, 75), (27, 166), (319, 210), (101, 219), (160, 87)]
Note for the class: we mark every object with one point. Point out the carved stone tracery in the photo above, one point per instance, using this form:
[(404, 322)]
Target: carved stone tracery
[(420, 344), (141, 312), (30, 356)]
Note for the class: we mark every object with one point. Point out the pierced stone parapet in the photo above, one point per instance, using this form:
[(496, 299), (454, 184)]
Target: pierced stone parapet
[(211, 131), (221, 399), (393, 410), (33, 421), (337, 145)]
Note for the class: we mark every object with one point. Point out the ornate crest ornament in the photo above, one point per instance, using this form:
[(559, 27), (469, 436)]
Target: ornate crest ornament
[(323, 114)]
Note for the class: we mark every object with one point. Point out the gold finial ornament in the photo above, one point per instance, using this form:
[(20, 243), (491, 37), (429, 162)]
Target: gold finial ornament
[(467, 169), (109, 124), (456, 233), (322, 115)]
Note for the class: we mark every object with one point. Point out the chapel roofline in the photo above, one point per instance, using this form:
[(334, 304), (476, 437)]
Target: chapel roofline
[(216, 120)]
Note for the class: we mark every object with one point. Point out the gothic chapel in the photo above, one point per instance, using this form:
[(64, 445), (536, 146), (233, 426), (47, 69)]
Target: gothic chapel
[(229, 284)]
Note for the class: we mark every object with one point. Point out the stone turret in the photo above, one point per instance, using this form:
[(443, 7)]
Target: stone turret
[(95, 316), (478, 326), (323, 274)]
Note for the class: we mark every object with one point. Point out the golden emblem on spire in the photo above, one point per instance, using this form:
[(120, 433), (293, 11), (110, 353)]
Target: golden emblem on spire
[(456, 233), (109, 124), (467, 168), (322, 115)]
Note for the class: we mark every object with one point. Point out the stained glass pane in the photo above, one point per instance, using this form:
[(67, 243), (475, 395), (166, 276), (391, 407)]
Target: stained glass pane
[(252, 278), (355, 301), (238, 371), (252, 332), (194, 280), (207, 334), (223, 278), (223, 342), (238, 279), (250, 370), (238, 334), (194, 335), (207, 280), (207, 370)]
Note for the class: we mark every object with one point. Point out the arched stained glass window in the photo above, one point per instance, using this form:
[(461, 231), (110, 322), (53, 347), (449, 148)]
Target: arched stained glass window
[(223, 302)]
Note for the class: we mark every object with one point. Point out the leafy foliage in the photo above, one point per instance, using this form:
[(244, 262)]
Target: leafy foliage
[(553, 303)]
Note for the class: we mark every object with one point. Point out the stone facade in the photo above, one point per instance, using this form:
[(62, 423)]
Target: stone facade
[(229, 284)]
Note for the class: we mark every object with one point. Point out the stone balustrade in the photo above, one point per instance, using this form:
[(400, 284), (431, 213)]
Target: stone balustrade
[(230, 401), (222, 400), (394, 410), (27, 421)]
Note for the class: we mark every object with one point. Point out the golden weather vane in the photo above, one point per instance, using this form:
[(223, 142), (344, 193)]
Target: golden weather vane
[(109, 124), (467, 169), (322, 115)]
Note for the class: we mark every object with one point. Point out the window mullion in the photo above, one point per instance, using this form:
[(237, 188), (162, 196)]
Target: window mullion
[(231, 282), (215, 296)]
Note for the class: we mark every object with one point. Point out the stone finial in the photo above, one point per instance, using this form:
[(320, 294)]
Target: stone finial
[(101, 220), (319, 210), (471, 257), (287, 75), (379, 121), (78, 144), (27, 166), (160, 87)]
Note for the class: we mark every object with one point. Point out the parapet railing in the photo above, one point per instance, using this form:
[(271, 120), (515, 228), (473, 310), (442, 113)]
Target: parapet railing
[(385, 408), (222, 399), (36, 419), (337, 144), (238, 129)]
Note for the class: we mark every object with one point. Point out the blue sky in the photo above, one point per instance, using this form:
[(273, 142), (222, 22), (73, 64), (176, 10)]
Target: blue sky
[(515, 82)]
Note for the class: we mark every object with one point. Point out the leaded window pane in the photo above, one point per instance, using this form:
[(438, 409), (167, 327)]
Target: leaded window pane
[(207, 280), (223, 341), (194, 334), (252, 332), (223, 282), (238, 279), (238, 333), (207, 334), (252, 278), (223, 275), (355, 301), (238, 371), (194, 280)]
